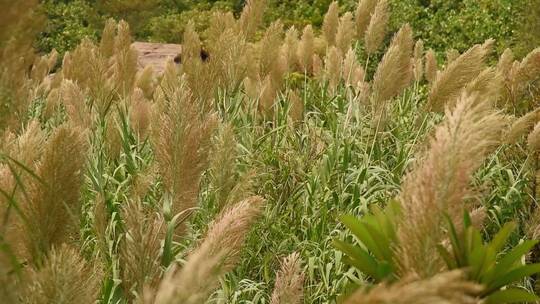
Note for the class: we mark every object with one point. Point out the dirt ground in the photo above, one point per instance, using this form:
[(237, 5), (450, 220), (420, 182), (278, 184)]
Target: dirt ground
[(156, 54)]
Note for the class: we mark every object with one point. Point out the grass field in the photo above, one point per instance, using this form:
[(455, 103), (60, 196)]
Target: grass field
[(290, 166)]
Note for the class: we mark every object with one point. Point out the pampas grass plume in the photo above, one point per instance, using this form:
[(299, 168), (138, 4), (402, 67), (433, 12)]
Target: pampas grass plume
[(377, 28), (444, 288), (362, 16), (439, 182), (64, 278), (306, 49), (215, 256), (330, 23), (345, 33), (394, 71), (289, 288), (448, 85), (432, 68)]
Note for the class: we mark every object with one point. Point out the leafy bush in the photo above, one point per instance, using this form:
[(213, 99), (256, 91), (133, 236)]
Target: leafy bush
[(68, 22)]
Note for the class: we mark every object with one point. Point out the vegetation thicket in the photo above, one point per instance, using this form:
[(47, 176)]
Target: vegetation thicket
[(339, 162)]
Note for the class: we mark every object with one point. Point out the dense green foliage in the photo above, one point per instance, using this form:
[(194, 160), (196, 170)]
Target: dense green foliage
[(441, 24)]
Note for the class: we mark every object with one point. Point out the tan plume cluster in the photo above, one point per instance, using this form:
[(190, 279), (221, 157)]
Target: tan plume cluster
[(330, 23), (216, 255), (440, 181), (345, 33), (418, 63), (18, 28), (251, 17), (181, 146), (65, 277), (376, 30), (394, 72), (445, 288), (289, 286), (332, 66), (432, 68), (449, 83), (140, 248), (362, 16), (522, 126), (296, 108), (306, 50), (53, 204), (519, 74), (105, 72), (223, 166), (140, 113)]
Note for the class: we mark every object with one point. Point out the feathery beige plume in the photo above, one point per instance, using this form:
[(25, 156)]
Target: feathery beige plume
[(200, 77), (445, 288), (181, 146), (269, 50), (113, 137), (533, 140), (317, 66), (522, 126), (52, 103), (53, 205), (289, 286), (108, 35), (320, 46), (418, 64), (291, 44), (222, 167), (191, 44), (125, 67), (64, 278), (122, 41), (219, 23), (306, 50), (449, 83), (74, 102), (27, 149), (146, 81), (332, 66), (215, 256), (296, 108), (330, 23), (362, 16), (489, 83), (140, 112), (505, 62), (43, 66), (394, 72), (345, 32), (352, 70), (521, 74), (251, 17), (439, 183), (267, 98), (432, 68), (234, 60), (140, 248), (377, 27)]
